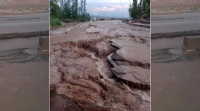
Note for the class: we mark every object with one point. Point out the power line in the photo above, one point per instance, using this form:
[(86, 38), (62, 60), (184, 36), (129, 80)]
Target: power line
[(122, 7)]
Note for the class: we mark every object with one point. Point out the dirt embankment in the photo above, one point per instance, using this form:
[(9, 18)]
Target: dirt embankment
[(104, 66)]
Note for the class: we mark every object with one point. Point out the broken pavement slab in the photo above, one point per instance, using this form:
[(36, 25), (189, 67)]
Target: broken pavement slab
[(43, 43), (131, 68), (191, 43)]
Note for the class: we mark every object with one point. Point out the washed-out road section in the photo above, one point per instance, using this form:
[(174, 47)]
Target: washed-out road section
[(102, 65), (183, 23), (24, 23)]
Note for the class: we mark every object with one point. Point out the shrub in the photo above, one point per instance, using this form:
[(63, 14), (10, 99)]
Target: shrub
[(144, 16), (54, 22), (112, 18), (101, 19), (67, 20)]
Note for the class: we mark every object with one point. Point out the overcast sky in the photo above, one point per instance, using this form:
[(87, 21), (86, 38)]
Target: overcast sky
[(109, 8)]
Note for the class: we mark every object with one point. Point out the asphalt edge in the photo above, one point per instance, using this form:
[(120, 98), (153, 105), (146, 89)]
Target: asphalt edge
[(24, 35), (174, 34)]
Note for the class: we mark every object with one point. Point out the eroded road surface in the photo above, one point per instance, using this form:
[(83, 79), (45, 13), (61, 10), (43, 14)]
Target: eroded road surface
[(24, 77), (175, 72), (103, 65), (24, 23), (184, 22)]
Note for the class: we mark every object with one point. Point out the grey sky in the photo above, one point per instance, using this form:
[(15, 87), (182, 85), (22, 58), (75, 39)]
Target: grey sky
[(109, 8)]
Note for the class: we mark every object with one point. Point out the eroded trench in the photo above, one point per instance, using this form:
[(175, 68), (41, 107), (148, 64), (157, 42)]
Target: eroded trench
[(86, 80)]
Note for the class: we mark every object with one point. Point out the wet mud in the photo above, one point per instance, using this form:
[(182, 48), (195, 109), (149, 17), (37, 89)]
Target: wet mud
[(94, 71)]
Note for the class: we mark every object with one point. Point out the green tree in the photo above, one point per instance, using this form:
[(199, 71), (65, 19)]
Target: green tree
[(74, 9), (134, 12), (67, 13), (55, 10)]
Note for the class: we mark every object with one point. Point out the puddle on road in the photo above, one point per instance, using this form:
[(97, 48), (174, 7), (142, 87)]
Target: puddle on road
[(175, 76)]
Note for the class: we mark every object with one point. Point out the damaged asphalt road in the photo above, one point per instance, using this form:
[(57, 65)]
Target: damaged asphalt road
[(104, 64), (24, 70)]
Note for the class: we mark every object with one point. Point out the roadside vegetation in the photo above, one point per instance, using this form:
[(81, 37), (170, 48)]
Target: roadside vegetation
[(140, 10), (67, 11)]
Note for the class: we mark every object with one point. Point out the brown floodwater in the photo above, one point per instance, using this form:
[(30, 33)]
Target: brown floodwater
[(24, 77), (175, 83)]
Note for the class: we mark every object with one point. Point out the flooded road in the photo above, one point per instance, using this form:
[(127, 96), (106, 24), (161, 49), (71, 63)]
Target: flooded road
[(175, 76)]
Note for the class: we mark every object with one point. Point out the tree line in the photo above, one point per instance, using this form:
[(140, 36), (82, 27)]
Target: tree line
[(68, 11), (137, 10)]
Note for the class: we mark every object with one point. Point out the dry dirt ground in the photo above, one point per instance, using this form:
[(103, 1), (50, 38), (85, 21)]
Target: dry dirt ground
[(23, 6), (173, 6), (100, 66)]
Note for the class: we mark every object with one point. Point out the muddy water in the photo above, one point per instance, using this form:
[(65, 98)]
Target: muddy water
[(175, 83), (24, 76)]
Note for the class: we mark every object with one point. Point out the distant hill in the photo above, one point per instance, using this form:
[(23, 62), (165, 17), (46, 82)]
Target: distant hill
[(175, 3)]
